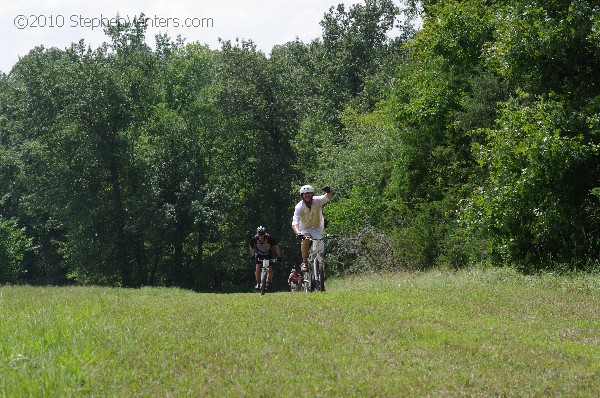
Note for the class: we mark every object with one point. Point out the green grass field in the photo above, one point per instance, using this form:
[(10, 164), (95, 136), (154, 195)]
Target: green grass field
[(467, 333)]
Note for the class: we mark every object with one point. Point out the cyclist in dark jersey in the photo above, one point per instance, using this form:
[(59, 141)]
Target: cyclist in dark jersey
[(261, 247)]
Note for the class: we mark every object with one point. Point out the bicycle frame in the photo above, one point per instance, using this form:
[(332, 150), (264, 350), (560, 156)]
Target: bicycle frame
[(264, 273), (313, 277)]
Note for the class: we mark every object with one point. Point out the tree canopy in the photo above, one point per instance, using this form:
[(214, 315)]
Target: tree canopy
[(471, 140)]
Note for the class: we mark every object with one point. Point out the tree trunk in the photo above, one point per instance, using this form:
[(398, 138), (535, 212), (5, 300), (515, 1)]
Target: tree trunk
[(199, 274), (142, 262), (119, 214)]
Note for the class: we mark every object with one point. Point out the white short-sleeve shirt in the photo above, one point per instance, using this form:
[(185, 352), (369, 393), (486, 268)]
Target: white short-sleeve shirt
[(310, 218)]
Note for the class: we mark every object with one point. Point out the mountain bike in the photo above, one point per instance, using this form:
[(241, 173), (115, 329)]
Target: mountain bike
[(313, 275), (264, 273), (295, 283)]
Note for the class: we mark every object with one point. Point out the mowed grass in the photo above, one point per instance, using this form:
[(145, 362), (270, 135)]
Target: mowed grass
[(467, 333)]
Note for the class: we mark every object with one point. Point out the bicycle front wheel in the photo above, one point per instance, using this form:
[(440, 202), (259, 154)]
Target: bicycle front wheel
[(263, 281), (306, 285), (318, 271)]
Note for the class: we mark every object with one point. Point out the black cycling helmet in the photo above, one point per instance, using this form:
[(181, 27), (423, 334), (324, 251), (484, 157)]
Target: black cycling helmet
[(261, 230)]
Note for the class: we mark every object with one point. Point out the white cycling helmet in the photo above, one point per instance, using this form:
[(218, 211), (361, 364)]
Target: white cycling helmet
[(307, 189)]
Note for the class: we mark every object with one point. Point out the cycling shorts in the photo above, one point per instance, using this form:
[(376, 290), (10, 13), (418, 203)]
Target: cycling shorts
[(317, 234)]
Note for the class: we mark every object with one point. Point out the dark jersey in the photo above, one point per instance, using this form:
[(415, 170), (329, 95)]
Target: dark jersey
[(263, 248)]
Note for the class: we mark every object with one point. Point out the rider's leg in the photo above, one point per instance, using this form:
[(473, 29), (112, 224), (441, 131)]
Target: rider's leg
[(257, 274), (270, 276), (306, 243), (305, 249)]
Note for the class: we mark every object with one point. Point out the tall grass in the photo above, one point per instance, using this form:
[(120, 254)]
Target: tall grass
[(468, 333)]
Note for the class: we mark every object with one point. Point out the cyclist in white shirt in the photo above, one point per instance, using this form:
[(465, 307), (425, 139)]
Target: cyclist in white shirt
[(308, 217)]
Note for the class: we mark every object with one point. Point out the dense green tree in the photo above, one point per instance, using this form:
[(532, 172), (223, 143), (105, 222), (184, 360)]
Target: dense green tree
[(34, 98), (468, 59), (536, 203), (474, 139), (355, 42), (547, 46), (169, 150), (14, 245), (256, 127), (353, 48), (430, 162), (82, 105)]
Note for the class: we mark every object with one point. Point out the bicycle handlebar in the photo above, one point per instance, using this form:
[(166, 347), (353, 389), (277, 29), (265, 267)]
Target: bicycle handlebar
[(272, 259), (325, 237)]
